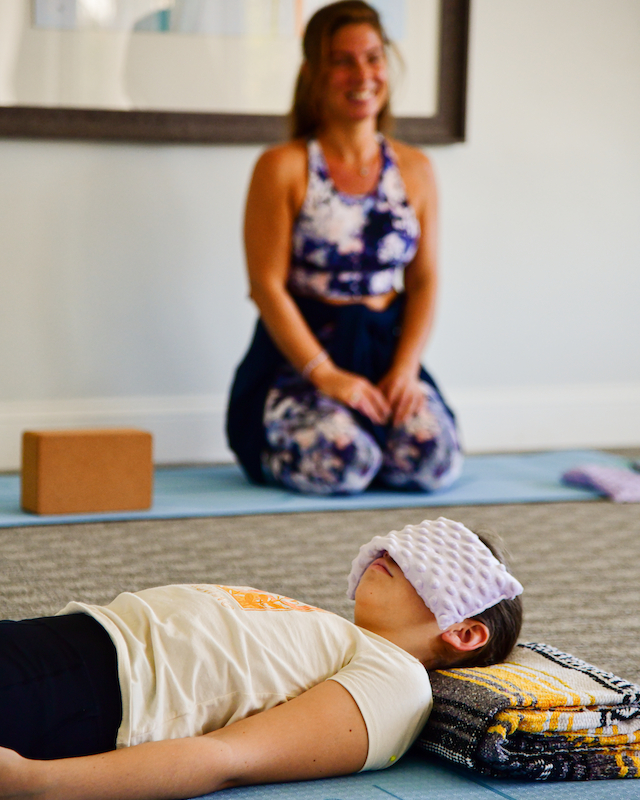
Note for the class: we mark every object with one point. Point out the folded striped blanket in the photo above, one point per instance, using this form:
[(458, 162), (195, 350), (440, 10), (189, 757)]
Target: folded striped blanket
[(541, 715)]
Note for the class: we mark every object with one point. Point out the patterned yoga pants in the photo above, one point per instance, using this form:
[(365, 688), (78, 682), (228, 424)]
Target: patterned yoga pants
[(315, 444)]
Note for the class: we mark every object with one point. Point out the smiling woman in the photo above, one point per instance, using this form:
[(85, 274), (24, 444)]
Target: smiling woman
[(340, 237), (356, 86), (177, 691)]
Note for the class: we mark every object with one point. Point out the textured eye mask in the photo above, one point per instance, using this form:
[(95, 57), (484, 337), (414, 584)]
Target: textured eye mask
[(455, 574)]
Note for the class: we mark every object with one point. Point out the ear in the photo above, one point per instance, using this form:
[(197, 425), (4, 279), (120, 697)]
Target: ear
[(470, 634)]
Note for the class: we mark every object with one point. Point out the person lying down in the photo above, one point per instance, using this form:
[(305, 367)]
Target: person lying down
[(179, 691)]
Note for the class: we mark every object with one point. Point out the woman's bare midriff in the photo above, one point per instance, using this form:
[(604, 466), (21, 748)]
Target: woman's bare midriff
[(376, 302)]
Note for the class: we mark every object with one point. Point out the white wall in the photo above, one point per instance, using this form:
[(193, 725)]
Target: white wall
[(538, 338), (123, 298)]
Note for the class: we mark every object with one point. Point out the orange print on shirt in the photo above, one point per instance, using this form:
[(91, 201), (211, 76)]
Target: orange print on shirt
[(253, 599)]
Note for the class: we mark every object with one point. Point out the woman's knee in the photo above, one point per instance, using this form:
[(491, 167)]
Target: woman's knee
[(424, 452), (320, 450)]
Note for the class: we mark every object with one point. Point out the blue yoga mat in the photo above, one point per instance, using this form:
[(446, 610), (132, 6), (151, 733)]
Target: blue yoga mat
[(222, 490), (414, 779)]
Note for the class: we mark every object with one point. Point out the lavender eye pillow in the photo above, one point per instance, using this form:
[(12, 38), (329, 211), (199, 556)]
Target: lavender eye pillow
[(455, 574)]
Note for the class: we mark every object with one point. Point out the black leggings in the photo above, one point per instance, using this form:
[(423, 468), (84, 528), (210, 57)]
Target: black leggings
[(59, 689)]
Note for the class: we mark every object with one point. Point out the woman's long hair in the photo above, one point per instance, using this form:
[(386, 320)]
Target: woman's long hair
[(306, 112)]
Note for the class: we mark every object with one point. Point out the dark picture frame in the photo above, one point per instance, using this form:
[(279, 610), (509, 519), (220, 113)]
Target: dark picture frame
[(446, 126)]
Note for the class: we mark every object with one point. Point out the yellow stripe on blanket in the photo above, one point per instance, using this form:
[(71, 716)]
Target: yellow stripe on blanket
[(523, 686), (624, 769), (582, 722), (628, 762)]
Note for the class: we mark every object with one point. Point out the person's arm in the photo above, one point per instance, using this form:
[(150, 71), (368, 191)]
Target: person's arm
[(319, 734), (275, 196), (401, 385)]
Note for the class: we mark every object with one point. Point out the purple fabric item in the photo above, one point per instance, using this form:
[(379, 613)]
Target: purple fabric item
[(621, 485), (452, 570)]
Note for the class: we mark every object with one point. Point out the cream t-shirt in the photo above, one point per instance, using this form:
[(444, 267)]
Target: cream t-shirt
[(194, 658)]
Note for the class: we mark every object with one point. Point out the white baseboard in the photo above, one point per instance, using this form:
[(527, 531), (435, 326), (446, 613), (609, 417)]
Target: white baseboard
[(190, 428), (185, 428), (548, 417)]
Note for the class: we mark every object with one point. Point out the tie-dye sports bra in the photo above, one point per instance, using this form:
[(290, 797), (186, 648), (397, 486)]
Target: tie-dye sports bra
[(347, 246)]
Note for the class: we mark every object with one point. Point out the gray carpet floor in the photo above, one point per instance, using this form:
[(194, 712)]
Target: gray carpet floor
[(579, 563)]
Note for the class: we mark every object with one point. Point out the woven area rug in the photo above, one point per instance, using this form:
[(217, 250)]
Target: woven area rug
[(222, 490)]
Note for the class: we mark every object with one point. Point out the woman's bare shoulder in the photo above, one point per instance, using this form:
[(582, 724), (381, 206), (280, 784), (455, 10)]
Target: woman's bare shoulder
[(283, 163), (416, 171), (410, 158)]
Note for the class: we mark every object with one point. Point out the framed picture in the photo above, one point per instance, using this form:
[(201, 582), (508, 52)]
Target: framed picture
[(218, 71)]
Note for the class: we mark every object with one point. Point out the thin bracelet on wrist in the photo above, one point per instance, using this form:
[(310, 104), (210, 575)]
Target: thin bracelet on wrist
[(318, 359)]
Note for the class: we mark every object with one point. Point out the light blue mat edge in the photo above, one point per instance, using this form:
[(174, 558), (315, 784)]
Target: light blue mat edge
[(222, 490), (429, 779)]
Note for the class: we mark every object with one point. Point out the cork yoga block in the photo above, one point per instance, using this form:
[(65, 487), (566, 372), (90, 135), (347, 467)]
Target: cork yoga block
[(75, 471)]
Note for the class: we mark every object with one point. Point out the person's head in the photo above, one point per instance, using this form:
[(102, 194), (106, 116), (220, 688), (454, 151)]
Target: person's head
[(344, 59), (440, 592)]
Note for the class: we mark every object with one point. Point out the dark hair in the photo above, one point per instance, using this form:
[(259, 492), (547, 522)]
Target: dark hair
[(306, 112), (504, 621)]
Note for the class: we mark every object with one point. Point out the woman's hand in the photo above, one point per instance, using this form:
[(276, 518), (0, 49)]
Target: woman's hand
[(403, 393), (353, 391)]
